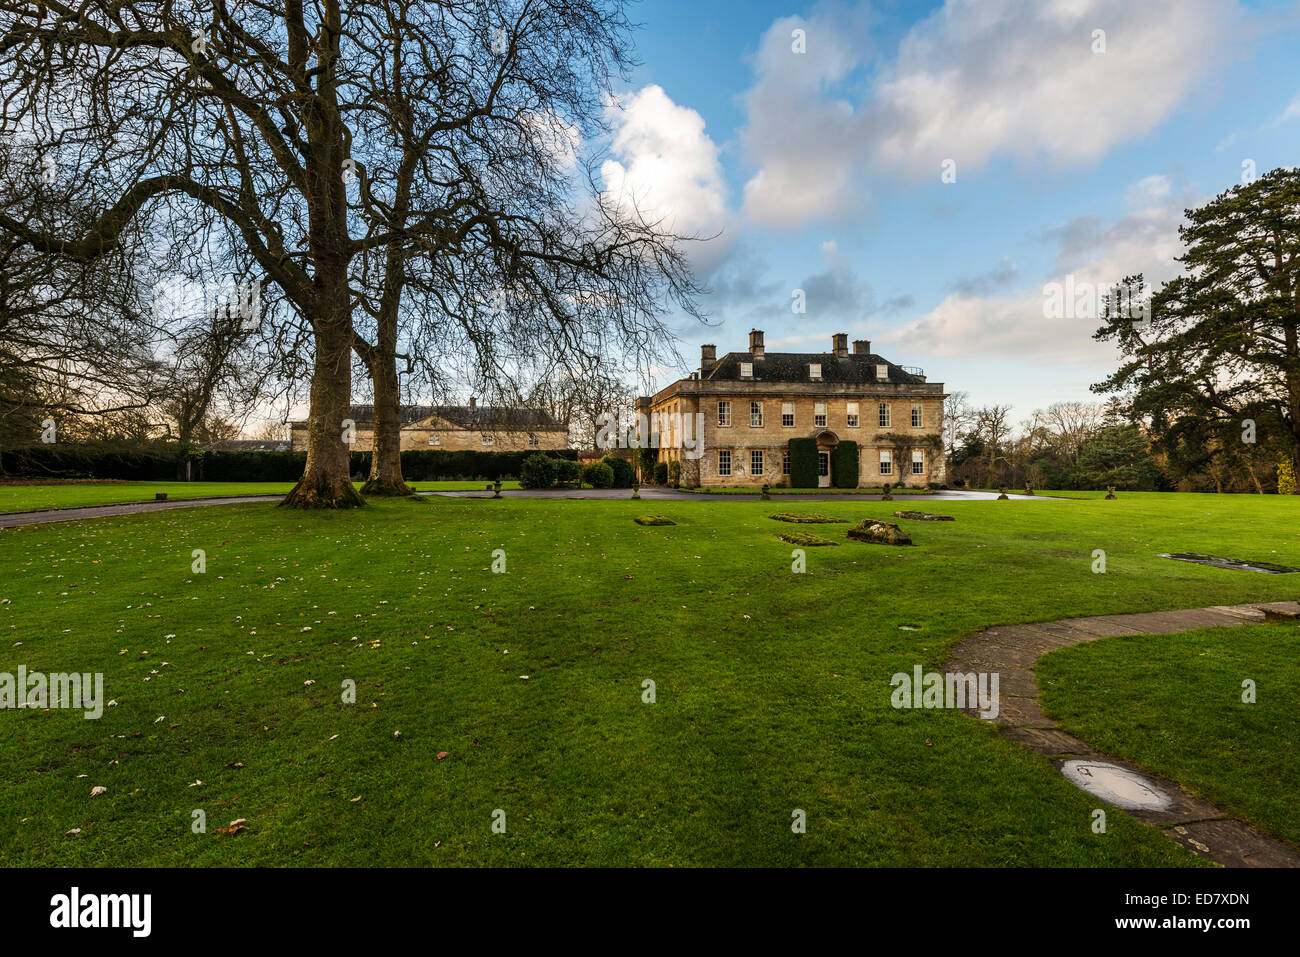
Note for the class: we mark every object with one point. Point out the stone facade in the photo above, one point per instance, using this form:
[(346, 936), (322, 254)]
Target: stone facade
[(456, 428), (755, 402)]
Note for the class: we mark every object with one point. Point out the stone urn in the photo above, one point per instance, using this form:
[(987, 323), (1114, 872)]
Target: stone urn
[(1110, 491), (496, 488), (1003, 493), (766, 493)]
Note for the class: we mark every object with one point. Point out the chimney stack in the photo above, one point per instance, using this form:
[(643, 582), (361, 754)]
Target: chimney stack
[(756, 343), (708, 357), (862, 347), (840, 344)]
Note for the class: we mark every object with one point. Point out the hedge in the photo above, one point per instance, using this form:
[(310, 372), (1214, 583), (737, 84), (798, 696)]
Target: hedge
[(91, 461), (803, 463), (165, 463), (844, 465)]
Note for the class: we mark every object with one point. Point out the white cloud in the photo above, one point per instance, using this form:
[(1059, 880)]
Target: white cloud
[(1089, 251), (976, 80), (665, 165)]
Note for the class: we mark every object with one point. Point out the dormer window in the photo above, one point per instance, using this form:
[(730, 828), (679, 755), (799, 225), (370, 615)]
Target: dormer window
[(747, 370), (882, 373), (814, 370)]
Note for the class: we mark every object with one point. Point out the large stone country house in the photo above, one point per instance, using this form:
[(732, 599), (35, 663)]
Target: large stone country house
[(855, 418), (455, 428)]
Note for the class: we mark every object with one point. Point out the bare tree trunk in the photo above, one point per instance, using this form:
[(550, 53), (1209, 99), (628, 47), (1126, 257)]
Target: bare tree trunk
[(327, 480), (386, 460)]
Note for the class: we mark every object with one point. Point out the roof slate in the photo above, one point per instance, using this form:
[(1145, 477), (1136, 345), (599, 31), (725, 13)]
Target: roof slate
[(793, 367)]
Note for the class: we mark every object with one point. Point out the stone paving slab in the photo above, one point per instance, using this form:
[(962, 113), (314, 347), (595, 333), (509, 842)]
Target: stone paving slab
[(1049, 741), (1233, 844), (1283, 606), (1011, 681), (1244, 612), (1168, 622), (1068, 634), (1019, 712), (1097, 626)]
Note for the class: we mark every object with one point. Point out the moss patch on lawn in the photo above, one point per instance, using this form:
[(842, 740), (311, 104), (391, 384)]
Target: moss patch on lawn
[(805, 539), (807, 518)]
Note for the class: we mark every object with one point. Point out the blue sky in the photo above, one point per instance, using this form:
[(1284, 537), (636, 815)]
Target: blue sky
[(822, 168)]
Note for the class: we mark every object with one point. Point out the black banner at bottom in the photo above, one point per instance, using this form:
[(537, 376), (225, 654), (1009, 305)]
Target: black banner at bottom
[(334, 907)]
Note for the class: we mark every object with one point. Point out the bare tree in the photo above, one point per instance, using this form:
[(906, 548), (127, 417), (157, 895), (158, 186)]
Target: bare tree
[(993, 427), (73, 343), (487, 246), (958, 419), (1070, 424), (579, 399)]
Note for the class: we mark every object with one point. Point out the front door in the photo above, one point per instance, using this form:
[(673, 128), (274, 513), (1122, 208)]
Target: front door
[(823, 469)]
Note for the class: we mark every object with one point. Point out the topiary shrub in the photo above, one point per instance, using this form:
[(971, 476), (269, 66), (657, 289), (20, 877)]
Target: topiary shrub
[(624, 474), (844, 464), (661, 473), (598, 475), (537, 471), (567, 472), (803, 463)]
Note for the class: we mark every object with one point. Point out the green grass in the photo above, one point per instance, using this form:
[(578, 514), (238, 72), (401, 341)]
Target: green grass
[(19, 498), (772, 688), (1173, 704)]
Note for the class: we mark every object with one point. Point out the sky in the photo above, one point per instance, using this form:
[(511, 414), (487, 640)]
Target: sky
[(920, 171)]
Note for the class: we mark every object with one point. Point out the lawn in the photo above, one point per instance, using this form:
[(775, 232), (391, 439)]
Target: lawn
[(1173, 703), (19, 498), (523, 691)]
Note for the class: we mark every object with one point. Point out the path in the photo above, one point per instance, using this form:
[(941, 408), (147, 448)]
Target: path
[(45, 516), (1013, 651)]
